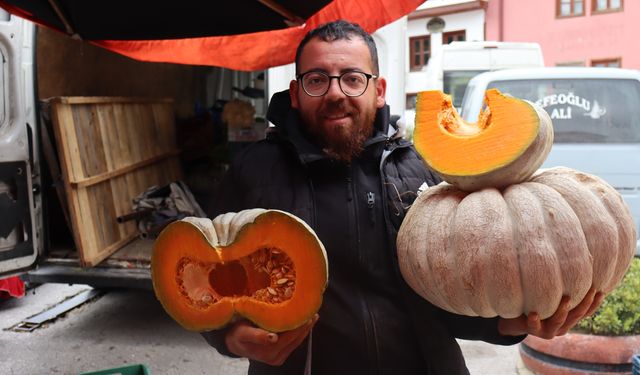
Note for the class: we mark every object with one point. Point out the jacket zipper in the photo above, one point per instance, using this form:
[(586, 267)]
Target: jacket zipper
[(385, 202)]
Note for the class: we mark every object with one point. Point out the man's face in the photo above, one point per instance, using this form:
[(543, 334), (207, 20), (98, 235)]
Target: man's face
[(339, 123)]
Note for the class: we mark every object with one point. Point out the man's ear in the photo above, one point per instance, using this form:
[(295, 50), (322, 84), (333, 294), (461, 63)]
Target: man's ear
[(381, 89), (293, 93)]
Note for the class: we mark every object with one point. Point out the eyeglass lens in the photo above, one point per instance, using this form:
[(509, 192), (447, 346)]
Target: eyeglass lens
[(351, 83)]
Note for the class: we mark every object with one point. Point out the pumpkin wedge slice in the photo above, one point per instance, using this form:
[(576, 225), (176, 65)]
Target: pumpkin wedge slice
[(267, 266), (508, 143)]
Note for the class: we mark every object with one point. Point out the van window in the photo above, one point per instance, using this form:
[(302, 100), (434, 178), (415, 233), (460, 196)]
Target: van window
[(454, 82), (584, 110)]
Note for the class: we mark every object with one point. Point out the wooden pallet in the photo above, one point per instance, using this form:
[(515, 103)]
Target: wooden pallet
[(111, 150)]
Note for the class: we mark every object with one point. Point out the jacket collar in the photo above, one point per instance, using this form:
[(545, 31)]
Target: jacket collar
[(289, 126)]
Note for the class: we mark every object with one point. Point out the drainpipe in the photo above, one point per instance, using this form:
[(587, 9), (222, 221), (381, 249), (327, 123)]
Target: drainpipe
[(501, 20)]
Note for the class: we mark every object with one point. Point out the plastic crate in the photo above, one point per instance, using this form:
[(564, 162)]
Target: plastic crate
[(635, 360), (125, 370)]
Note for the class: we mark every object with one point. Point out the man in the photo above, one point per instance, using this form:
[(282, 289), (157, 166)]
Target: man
[(337, 162)]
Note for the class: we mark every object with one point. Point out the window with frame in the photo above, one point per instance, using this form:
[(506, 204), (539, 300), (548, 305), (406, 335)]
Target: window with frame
[(454, 36), (420, 51), (411, 101), (607, 63), (570, 63), (606, 6), (569, 8)]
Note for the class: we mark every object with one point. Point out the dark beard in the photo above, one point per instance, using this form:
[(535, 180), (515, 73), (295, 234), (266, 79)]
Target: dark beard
[(341, 145), (345, 147)]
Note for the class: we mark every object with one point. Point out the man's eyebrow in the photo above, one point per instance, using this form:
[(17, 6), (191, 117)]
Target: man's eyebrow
[(351, 69), (342, 71)]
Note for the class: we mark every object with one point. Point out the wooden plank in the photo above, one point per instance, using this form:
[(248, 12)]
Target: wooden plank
[(90, 143), (107, 99), (83, 222), (119, 189), (67, 142), (61, 116), (85, 182), (104, 115), (98, 257), (111, 151)]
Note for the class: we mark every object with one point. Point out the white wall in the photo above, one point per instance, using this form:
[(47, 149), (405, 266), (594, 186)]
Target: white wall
[(472, 22)]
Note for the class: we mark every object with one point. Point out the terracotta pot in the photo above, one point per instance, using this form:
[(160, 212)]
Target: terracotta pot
[(582, 354)]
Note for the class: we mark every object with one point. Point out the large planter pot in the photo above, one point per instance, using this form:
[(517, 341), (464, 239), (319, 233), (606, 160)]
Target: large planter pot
[(575, 353)]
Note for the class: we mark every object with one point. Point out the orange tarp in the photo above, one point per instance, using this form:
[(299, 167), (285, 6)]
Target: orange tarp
[(261, 50)]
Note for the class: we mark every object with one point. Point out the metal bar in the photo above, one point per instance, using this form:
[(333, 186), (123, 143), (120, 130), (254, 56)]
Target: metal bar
[(36, 321), (134, 215), (63, 18), (111, 277), (292, 18)]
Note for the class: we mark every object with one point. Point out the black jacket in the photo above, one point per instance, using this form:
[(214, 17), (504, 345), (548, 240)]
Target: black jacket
[(370, 321)]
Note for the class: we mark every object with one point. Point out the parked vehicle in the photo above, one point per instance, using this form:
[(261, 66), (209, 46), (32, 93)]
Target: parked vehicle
[(451, 69), (460, 61), (595, 114), (41, 236)]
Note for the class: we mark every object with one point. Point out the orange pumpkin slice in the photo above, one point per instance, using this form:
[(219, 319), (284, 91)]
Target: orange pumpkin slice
[(267, 266), (508, 143)]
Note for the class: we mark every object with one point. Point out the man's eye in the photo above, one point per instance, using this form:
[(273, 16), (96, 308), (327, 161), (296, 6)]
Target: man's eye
[(353, 79), (315, 79)]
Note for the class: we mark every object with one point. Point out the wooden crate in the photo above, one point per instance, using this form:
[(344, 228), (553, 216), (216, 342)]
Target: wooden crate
[(111, 150)]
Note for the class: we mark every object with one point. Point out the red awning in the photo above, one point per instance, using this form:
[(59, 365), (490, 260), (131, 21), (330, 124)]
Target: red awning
[(159, 34)]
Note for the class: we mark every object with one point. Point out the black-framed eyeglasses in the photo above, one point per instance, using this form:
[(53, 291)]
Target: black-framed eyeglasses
[(352, 83)]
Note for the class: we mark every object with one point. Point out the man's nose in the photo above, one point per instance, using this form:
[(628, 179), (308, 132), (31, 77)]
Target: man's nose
[(334, 91)]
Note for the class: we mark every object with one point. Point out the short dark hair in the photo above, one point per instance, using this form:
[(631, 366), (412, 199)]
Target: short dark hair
[(339, 30)]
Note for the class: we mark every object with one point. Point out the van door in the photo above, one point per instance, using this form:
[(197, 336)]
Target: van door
[(596, 125), (20, 205)]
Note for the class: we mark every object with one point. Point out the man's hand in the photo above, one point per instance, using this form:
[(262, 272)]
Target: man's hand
[(556, 325), (248, 341)]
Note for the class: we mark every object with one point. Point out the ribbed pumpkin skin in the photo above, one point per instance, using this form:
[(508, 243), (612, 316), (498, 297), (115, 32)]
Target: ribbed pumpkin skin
[(518, 250)]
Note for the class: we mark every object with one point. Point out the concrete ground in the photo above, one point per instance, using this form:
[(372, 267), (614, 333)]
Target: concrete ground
[(125, 327)]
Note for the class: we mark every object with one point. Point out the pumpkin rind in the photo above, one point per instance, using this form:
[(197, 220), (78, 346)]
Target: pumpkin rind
[(510, 141), (517, 250), (188, 252)]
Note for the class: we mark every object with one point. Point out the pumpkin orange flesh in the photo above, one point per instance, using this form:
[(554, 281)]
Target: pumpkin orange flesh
[(452, 146), (273, 273)]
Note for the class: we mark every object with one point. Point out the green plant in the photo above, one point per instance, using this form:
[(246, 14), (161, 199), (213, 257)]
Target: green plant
[(619, 314)]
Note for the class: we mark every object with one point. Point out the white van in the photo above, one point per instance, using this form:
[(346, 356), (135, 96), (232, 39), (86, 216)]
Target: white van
[(460, 61), (46, 233), (595, 114), (450, 69)]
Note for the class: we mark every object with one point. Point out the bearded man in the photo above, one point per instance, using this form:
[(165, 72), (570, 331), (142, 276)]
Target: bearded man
[(337, 161)]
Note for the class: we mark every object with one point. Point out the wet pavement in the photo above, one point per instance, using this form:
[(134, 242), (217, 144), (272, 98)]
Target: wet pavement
[(126, 327)]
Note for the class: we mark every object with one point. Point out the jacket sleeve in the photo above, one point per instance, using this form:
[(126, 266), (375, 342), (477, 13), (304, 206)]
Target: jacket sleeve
[(216, 340), (476, 328), (460, 326)]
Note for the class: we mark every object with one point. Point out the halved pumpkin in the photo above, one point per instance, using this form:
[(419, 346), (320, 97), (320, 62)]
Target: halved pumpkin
[(267, 266), (508, 143)]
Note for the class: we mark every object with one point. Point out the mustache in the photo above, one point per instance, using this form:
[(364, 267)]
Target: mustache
[(336, 106)]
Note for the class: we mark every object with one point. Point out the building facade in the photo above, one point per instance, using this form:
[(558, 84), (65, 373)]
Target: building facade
[(463, 20), (571, 32)]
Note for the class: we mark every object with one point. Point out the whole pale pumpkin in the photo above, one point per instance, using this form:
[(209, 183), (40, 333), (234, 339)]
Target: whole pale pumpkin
[(516, 250), (492, 240)]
